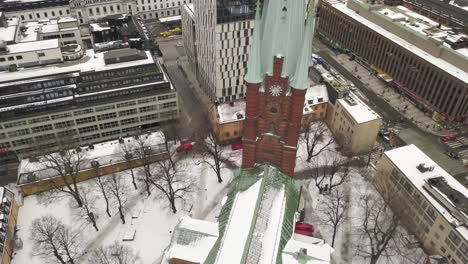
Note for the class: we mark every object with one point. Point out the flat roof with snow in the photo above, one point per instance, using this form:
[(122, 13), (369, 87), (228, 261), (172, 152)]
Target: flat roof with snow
[(231, 112), (358, 110), (437, 62), (89, 62), (316, 94), (407, 159), (33, 46)]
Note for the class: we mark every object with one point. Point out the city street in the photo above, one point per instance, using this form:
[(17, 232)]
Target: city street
[(193, 103)]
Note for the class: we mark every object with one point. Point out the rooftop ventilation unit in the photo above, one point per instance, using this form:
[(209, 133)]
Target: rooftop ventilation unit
[(350, 100), (423, 167)]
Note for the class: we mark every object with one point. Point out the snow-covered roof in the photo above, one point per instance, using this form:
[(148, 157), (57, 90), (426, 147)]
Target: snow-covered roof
[(89, 62), (407, 158), (105, 153), (192, 240), (232, 111), (95, 27), (255, 223), (8, 33), (33, 46), (437, 62), (67, 19), (316, 94), (257, 218), (358, 110), (169, 19), (298, 252)]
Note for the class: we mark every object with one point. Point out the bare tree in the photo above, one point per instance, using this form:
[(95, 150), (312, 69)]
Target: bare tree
[(102, 185), (128, 154), (171, 183), (53, 241), (331, 174), (335, 208), (316, 138), (118, 191), (143, 151), (381, 232), (87, 210), (114, 254), (213, 154), (66, 163)]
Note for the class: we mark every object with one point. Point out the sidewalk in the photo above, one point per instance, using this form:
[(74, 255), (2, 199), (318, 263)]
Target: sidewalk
[(400, 103)]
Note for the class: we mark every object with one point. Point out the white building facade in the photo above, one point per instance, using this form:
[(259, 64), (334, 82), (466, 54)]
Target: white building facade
[(218, 45), (90, 10)]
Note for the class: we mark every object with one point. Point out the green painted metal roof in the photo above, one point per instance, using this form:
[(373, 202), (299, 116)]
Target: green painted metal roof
[(273, 181), (282, 28)]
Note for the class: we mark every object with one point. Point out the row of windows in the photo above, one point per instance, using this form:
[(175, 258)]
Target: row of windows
[(45, 14)]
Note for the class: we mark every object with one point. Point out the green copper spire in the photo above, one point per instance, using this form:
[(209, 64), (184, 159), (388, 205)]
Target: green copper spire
[(300, 80), (282, 28), (254, 73)]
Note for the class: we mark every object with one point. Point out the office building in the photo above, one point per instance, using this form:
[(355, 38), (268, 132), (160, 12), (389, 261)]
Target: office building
[(217, 42), (427, 63), (435, 201), (99, 97)]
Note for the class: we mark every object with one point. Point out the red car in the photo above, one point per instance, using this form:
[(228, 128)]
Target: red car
[(304, 232), (447, 138), (236, 145), (305, 226), (184, 147)]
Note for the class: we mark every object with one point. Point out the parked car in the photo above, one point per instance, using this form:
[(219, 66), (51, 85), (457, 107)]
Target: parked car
[(165, 34), (304, 232), (236, 145), (447, 138), (305, 226), (184, 147), (452, 155)]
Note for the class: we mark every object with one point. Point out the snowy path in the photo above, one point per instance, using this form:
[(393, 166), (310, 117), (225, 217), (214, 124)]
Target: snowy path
[(115, 220)]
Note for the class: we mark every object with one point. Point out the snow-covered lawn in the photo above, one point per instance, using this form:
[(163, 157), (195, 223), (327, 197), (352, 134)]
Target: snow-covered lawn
[(348, 235), (150, 218)]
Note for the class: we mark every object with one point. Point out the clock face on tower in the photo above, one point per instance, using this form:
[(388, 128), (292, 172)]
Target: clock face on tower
[(275, 90)]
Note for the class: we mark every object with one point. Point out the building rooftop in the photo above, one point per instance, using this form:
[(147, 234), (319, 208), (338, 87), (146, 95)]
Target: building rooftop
[(435, 152), (438, 62), (33, 46), (438, 187), (358, 110), (232, 111), (316, 94), (91, 61), (8, 34), (255, 224)]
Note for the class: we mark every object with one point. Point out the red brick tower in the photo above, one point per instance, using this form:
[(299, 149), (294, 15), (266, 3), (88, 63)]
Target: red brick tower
[(277, 80), (272, 122)]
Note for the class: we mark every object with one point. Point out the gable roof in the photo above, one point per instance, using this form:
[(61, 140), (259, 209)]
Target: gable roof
[(258, 217)]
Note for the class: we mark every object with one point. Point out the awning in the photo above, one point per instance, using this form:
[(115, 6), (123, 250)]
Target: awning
[(170, 19)]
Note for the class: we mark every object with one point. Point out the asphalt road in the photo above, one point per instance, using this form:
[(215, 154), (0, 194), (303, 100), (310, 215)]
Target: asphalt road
[(191, 107)]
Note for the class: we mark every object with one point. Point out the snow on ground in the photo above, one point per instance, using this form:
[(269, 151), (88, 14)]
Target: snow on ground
[(348, 236), (324, 158), (150, 218)]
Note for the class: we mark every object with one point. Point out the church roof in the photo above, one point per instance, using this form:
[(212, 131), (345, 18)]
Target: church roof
[(255, 225), (282, 28), (257, 219)]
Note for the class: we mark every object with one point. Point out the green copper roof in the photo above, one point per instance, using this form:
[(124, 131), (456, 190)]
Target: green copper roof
[(282, 28), (273, 182)]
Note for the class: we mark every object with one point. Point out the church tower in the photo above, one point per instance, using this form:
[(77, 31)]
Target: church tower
[(277, 80)]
